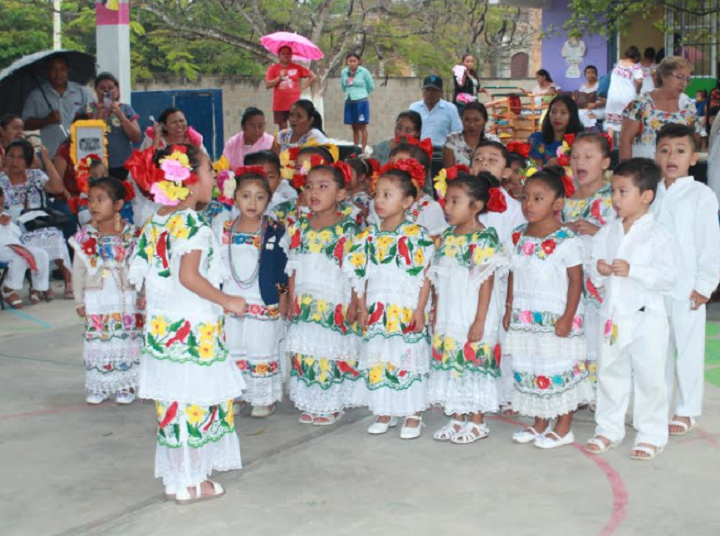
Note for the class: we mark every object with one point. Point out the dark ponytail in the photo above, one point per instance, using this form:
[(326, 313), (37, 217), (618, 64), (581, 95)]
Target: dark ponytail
[(551, 176), (312, 113)]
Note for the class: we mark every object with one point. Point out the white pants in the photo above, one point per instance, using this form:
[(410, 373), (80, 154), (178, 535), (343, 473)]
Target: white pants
[(635, 361), (17, 266), (687, 342)]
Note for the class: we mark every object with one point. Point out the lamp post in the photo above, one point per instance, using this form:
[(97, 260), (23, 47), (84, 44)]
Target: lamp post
[(112, 19)]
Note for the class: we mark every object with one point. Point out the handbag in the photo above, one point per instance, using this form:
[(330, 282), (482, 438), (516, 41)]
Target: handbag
[(47, 217)]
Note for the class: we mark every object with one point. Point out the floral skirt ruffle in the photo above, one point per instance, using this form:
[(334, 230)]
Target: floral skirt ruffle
[(321, 384), (387, 390), (112, 366), (193, 441)]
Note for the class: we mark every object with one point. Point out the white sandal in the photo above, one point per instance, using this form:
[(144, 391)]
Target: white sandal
[(329, 419), (7, 296), (686, 428), (447, 432), (652, 452), (183, 496), (470, 433), (307, 418), (602, 447)]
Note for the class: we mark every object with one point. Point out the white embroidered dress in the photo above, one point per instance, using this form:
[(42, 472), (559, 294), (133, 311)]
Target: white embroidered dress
[(464, 375), (550, 375)]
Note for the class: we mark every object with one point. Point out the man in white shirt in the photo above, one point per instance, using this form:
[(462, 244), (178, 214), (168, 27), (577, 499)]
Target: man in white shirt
[(439, 117), (632, 258), (51, 108), (689, 211)]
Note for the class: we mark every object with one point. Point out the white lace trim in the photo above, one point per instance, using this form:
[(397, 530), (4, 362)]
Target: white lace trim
[(546, 346), (396, 403), (314, 399), (414, 358), (470, 393), (311, 339), (262, 391), (116, 352), (186, 466), (551, 406)]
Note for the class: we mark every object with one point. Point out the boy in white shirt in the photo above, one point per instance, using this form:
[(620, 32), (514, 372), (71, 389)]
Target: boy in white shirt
[(632, 258), (689, 211), (19, 259)]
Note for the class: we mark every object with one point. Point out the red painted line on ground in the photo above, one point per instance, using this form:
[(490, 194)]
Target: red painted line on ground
[(617, 484), (701, 435)]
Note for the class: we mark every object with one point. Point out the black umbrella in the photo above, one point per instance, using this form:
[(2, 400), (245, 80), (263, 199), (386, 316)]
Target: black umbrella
[(27, 73)]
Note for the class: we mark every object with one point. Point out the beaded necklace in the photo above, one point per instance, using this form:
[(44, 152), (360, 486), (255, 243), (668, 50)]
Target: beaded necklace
[(247, 283)]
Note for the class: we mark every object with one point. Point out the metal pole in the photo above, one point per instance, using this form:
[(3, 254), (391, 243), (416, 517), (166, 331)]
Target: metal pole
[(57, 25)]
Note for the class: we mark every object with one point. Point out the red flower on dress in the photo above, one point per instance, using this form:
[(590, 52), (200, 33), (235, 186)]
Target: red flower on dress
[(593, 291), (595, 211), (497, 352), (516, 237), (403, 250), (377, 313), (548, 246), (347, 369), (169, 415), (89, 247), (295, 240), (180, 336), (339, 250), (543, 382), (469, 353), (437, 355), (339, 319)]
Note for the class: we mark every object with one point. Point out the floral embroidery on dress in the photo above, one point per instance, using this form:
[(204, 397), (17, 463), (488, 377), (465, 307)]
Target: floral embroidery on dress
[(388, 375), (204, 424), (471, 249), (459, 356), (611, 332), (527, 382), (182, 342), (106, 250), (333, 241), (258, 370), (594, 209), (326, 314), (406, 247), (541, 248), (323, 372), (418, 207), (642, 109), (542, 321), (239, 238), (113, 326), (392, 320), (15, 194)]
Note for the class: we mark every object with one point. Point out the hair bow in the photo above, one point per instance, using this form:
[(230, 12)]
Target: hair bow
[(568, 185), (497, 202), (425, 145), (608, 137), (344, 170), (408, 165), (248, 170), (298, 181), (447, 174), (129, 191)]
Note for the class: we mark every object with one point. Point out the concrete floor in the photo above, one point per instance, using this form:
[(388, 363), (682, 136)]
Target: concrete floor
[(70, 469)]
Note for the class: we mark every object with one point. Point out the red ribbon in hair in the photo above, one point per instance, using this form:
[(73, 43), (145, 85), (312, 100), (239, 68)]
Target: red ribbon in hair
[(129, 191), (608, 137), (497, 202), (425, 145), (345, 170), (569, 138), (143, 169), (452, 172), (247, 170), (298, 181), (518, 147), (569, 186)]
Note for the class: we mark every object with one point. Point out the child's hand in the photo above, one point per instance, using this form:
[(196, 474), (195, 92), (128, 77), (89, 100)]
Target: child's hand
[(283, 306), (352, 314), (418, 321), (585, 228), (80, 310), (697, 300), (506, 319), (5, 219), (620, 268), (563, 326), (141, 303), (476, 331), (604, 268), (235, 305)]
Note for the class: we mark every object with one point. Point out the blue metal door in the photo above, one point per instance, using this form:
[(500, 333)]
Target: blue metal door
[(203, 110)]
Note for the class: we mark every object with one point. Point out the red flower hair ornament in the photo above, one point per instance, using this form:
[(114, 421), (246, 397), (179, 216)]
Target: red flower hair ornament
[(520, 148), (408, 165), (569, 186), (497, 202), (425, 145)]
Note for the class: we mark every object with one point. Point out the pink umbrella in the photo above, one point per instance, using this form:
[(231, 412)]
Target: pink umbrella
[(301, 46)]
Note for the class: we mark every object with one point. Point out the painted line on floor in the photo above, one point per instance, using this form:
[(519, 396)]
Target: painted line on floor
[(617, 484), (30, 318)]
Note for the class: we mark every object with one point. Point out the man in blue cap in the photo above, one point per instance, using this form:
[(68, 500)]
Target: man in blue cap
[(439, 117)]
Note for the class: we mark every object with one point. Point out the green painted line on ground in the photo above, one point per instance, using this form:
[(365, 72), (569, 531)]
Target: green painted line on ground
[(713, 376), (712, 329), (712, 351)]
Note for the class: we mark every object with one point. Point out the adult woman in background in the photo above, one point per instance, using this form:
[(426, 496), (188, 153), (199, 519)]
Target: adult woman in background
[(467, 82), (649, 112), (252, 139), (460, 146), (284, 78), (591, 107), (357, 83), (407, 124), (625, 83), (305, 127)]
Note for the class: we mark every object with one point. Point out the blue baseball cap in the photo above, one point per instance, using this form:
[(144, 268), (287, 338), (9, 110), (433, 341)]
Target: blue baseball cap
[(433, 81)]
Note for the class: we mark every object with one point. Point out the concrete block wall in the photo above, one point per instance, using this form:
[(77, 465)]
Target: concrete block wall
[(391, 96)]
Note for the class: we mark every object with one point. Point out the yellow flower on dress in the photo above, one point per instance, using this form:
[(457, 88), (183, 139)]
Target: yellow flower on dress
[(159, 410), (229, 417), (363, 235), (307, 299), (393, 325), (315, 247), (338, 230), (376, 374), (450, 251), (158, 326), (406, 316), (154, 234), (393, 310), (437, 340), (177, 227), (419, 257), (206, 350), (384, 241), (150, 250), (482, 254), (207, 331), (324, 369), (262, 368), (326, 235), (461, 240), (309, 361), (450, 240), (449, 344), (357, 259), (195, 414), (322, 306), (412, 230)]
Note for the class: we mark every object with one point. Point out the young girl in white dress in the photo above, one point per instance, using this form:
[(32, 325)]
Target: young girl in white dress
[(185, 365), (465, 365), (250, 245), (626, 83), (388, 264), (589, 209), (321, 339), (544, 315), (105, 298)]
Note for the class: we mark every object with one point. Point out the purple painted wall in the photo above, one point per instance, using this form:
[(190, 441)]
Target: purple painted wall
[(554, 63)]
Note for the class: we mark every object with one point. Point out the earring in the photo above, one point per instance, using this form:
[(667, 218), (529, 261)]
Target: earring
[(118, 219), (194, 191), (475, 221)]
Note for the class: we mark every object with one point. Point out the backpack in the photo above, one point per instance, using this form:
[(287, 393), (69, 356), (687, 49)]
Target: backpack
[(604, 86)]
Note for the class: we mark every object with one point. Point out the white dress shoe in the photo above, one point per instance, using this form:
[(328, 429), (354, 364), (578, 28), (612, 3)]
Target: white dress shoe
[(414, 432), (550, 440), (96, 398), (125, 397), (525, 435), (378, 428)]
